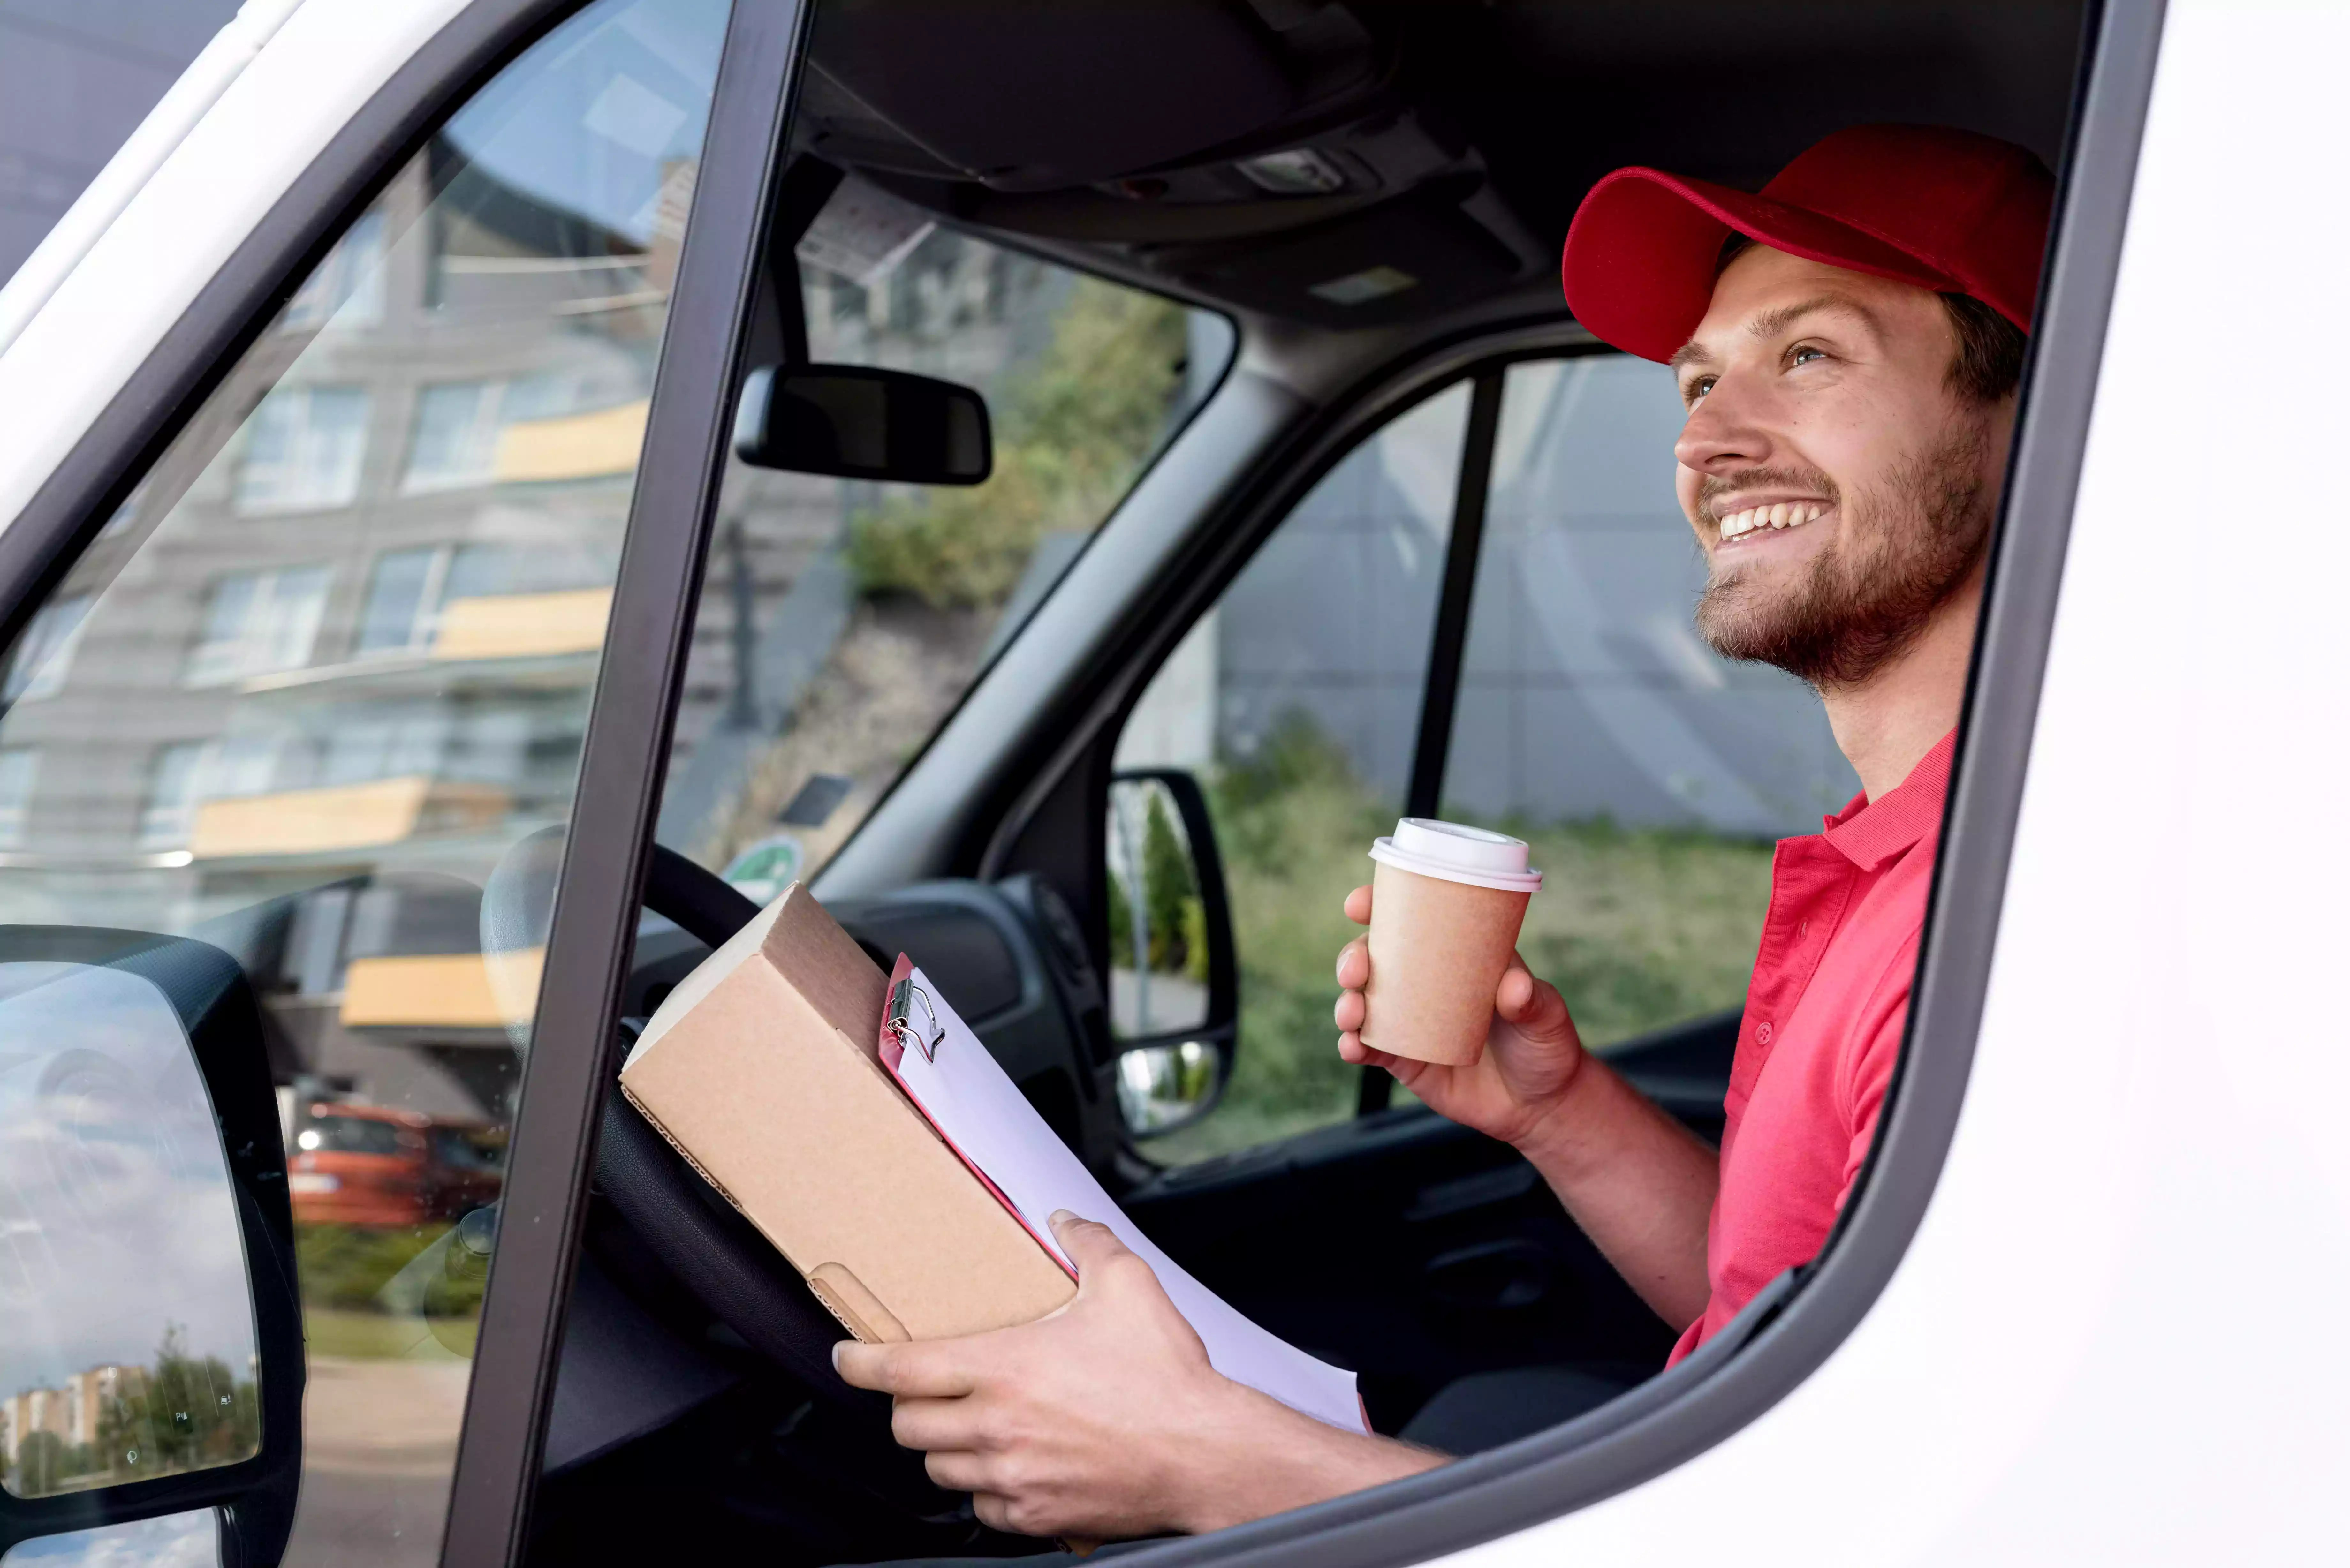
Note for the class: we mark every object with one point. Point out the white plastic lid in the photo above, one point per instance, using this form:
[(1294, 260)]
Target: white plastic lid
[(1458, 853)]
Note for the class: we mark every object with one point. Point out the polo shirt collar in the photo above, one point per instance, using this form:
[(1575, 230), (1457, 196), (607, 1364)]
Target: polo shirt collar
[(1868, 833)]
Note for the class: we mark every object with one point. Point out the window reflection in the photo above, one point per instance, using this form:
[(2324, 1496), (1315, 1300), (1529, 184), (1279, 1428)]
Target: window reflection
[(127, 1341), (326, 668), (174, 1541)]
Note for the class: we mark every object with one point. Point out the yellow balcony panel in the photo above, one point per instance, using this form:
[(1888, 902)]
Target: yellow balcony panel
[(438, 991), (523, 625), (576, 446), (345, 816)]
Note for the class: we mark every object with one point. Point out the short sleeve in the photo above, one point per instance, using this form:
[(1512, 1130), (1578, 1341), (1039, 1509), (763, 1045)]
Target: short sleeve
[(1868, 1071)]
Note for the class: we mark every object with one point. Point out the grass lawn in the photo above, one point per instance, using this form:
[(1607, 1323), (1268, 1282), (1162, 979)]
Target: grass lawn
[(381, 1337), (1638, 928)]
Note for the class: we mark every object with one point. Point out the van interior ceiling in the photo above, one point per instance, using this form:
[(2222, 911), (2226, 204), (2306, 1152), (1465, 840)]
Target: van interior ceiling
[(1375, 162)]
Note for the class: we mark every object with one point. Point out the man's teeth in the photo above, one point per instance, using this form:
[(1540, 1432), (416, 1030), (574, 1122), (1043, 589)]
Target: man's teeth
[(1784, 514)]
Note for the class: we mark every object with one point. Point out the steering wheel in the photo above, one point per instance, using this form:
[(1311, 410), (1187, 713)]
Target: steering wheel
[(712, 1251)]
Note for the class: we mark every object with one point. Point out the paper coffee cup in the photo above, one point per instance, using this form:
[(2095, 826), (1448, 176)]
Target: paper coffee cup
[(1447, 901)]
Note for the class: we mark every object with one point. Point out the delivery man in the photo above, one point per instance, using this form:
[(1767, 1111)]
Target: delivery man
[(1849, 343)]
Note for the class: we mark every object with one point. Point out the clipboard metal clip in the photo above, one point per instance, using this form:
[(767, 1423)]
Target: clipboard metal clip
[(905, 999)]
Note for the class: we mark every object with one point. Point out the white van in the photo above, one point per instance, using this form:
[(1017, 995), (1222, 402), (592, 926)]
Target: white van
[(432, 623)]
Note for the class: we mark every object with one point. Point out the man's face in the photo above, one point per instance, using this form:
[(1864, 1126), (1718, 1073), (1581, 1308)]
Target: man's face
[(1841, 489)]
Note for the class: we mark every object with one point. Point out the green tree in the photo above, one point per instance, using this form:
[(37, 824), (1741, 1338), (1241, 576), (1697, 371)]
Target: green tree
[(1071, 430), (40, 1464), (1167, 885)]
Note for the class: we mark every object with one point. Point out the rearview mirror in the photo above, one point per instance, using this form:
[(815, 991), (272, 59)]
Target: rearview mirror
[(1174, 993), (860, 422)]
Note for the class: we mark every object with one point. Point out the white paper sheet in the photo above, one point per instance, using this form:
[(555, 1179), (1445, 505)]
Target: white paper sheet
[(969, 1098)]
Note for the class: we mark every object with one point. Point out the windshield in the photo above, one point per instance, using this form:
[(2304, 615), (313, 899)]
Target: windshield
[(349, 1134), (841, 621)]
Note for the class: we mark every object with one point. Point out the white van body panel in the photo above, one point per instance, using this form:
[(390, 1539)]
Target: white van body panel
[(2112, 1340), (100, 322)]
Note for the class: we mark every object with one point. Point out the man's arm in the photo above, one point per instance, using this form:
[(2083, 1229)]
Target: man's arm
[(1639, 1184), (1106, 1420)]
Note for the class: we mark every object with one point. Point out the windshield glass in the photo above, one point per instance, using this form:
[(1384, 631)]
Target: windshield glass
[(349, 1135), (841, 621)]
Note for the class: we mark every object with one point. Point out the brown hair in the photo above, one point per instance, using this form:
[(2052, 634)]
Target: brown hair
[(1989, 364)]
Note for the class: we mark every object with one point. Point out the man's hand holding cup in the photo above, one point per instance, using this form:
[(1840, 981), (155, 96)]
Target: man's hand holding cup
[(1453, 1013)]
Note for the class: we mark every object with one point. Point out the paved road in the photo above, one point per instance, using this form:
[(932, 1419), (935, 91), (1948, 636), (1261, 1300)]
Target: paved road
[(381, 1438)]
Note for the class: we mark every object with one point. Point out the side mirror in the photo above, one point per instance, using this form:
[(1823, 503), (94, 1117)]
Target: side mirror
[(1174, 986), (151, 1354), (860, 422)]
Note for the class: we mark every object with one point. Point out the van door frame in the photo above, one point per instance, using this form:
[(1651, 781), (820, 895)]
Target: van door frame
[(652, 611)]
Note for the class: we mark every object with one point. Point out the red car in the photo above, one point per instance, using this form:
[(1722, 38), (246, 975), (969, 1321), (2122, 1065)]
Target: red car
[(370, 1165)]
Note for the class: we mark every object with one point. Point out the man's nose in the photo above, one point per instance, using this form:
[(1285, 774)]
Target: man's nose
[(1721, 433)]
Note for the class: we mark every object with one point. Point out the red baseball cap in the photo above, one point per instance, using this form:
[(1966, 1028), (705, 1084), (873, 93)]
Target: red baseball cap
[(1942, 209)]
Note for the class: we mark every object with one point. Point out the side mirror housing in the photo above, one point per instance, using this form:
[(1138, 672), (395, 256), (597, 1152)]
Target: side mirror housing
[(156, 1365), (861, 422), (1174, 985)]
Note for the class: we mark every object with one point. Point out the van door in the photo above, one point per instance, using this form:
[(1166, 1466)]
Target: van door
[(291, 686)]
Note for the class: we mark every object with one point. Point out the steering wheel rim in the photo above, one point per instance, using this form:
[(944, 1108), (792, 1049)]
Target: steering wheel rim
[(703, 1241)]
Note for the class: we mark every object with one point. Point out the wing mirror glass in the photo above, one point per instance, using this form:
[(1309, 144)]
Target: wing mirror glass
[(1173, 986), (860, 422), (150, 1355)]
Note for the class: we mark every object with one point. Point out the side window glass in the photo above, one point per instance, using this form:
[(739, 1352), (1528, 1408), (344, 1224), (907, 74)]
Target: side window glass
[(1295, 701), (299, 701), (1649, 774), (841, 621)]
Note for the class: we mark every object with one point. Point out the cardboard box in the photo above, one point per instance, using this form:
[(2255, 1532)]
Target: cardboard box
[(762, 1069)]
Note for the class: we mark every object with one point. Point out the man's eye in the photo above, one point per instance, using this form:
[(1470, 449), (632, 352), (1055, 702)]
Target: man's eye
[(1698, 389), (1806, 355)]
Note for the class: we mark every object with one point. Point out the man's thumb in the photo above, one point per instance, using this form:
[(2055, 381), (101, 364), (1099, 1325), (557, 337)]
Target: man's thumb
[(1534, 1008), (1090, 1244)]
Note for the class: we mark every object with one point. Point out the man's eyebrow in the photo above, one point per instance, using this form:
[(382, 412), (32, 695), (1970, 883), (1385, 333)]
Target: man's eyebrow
[(1690, 353), (1772, 323)]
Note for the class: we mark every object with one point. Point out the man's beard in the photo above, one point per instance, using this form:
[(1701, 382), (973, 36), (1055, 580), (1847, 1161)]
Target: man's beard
[(1902, 550)]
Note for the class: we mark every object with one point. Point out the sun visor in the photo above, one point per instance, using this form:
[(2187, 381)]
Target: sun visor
[(1402, 258), (1035, 95)]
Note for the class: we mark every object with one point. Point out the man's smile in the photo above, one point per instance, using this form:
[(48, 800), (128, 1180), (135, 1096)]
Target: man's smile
[(1754, 518)]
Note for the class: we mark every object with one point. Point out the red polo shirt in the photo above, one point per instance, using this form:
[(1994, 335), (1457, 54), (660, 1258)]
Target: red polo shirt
[(1823, 1026)]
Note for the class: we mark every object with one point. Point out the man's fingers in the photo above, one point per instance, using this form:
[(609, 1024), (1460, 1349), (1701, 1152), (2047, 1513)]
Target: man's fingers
[(938, 1425), (1352, 1050), (1359, 904), (1348, 1012), (924, 1369), (1354, 964), (957, 1471)]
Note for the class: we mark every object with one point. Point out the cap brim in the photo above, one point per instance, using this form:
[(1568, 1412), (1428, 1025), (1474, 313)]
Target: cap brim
[(1639, 267)]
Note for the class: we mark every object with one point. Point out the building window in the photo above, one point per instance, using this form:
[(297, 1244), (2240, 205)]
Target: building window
[(306, 447), (47, 649), (19, 764), (258, 623), (171, 787), (461, 427), (455, 442), (187, 773), (403, 601)]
